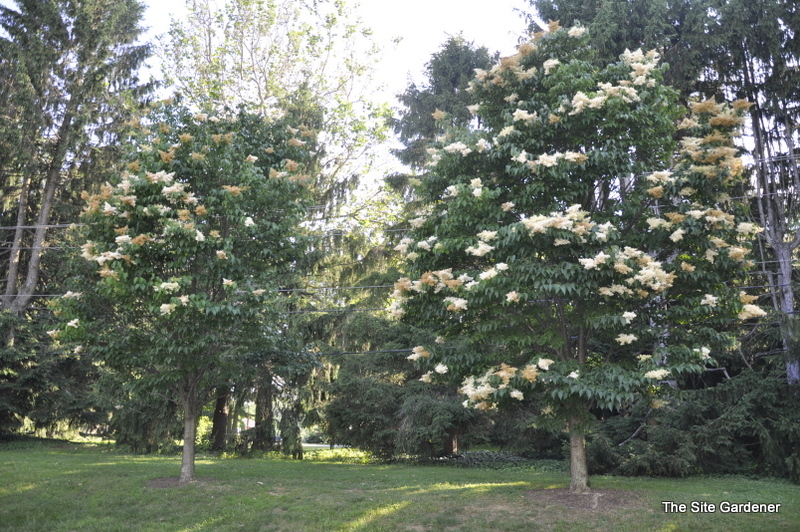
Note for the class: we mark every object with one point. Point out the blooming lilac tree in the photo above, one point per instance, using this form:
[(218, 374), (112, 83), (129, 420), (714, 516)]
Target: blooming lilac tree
[(184, 251), (571, 256)]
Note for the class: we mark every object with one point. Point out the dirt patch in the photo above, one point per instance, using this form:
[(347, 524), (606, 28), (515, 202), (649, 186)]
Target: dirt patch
[(174, 482), (595, 500)]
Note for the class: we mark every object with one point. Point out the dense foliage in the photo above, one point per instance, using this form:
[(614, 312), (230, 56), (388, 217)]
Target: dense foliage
[(564, 258), (193, 241)]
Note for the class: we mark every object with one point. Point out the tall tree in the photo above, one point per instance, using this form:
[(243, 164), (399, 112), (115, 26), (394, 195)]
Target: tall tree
[(734, 49), (71, 69), (565, 262), (313, 60), (193, 241), (448, 74)]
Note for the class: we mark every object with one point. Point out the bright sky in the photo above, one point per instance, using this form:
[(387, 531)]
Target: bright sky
[(423, 25)]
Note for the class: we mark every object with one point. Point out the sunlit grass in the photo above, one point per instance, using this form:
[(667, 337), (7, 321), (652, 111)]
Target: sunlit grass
[(62, 488)]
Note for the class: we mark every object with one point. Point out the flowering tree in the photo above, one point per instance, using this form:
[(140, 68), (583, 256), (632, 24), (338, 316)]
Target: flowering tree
[(184, 252), (563, 259)]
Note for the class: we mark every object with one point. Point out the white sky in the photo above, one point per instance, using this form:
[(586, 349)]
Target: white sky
[(423, 25)]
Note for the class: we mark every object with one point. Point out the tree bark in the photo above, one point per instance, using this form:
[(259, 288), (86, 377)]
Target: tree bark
[(578, 468), (451, 443), (219, 427), (191, 413), (20, 302), (264, 437)]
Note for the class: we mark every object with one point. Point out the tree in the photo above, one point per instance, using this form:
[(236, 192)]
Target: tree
[(728, 48), (565, 261), (676, 28), (312, 60), (72, 69), (193, 241), (448, 74)]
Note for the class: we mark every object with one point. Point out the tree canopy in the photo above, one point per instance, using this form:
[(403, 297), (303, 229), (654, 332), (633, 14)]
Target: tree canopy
[(193, 240), (564, 259)]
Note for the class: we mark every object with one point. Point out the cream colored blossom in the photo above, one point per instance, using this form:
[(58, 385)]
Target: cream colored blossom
[(168, 287), (221, 255), (516, 394), (624, 339), (167, 308), (441, 369), (505, 131), (487, 236), (530, 373), (748, 228), (512, 297), (523, 115), (628, 316), (703, 352), (507, 206), (576, 31), (657, 374), (677, 235), (751, 311), (419, 352), (709, 300), (550, 64), (482, 249), (488, 274), (456, 304), (544, 363)]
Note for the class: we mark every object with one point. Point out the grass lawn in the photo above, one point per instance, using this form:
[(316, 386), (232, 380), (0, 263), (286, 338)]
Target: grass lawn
[(51, 487)]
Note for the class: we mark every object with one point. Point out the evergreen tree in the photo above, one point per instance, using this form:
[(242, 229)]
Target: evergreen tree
[(448, 73)]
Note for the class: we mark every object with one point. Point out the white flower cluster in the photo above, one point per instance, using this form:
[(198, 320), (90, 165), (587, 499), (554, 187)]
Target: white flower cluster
[(549, 160), (419, 352), (573, 219), (581, 101), (641, 66), (460, 147)]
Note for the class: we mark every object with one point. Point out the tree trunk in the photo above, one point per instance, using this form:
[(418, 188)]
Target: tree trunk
[(789, 328), (191, 413), (578, 468), (20, 302), (451, 443), (13, 266), (264, 429), (219, 427)]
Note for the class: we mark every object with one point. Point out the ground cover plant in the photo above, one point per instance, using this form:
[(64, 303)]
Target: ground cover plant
[(62, 486)]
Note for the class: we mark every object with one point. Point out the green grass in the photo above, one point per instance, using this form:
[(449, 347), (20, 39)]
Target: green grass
[(69, 487)]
